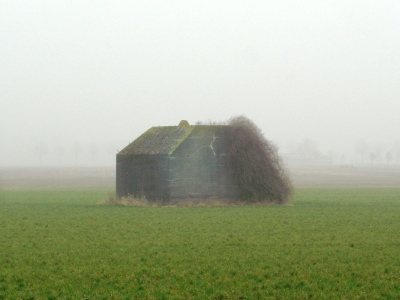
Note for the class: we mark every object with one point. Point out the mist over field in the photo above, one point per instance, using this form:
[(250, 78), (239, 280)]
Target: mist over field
[(79, 80)]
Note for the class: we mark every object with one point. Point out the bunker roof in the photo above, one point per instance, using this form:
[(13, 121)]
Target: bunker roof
[(164, 139)]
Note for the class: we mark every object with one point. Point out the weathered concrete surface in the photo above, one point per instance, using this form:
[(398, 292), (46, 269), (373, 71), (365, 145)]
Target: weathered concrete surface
[(176, 162)]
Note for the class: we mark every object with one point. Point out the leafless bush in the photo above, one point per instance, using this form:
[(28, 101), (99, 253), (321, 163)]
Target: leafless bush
[(256, 166), (143, 202), (129, 201)]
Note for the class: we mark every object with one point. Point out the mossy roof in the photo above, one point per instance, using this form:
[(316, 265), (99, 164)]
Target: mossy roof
[(164, 139)]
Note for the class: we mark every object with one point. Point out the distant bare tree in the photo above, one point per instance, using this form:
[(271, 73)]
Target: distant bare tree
[(111, 149), (93, 152), (372, 157), (40, 150), (342, 157), (308, 149), (332, 154), (396, 150), (389, 157), (361, 149), (60, 151), (76, 150), (378, 150)]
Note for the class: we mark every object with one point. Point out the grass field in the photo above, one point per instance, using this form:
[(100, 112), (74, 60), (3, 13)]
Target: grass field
[(329, 244)]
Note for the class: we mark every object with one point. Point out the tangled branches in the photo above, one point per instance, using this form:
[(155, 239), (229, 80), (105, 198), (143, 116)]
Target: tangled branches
[(255, 164)]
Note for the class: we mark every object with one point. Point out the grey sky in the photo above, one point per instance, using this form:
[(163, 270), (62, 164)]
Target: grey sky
[(96, 74)]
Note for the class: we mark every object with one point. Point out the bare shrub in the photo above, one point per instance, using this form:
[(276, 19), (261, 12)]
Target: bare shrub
[(143, 202), (129, 201), (255, 164)]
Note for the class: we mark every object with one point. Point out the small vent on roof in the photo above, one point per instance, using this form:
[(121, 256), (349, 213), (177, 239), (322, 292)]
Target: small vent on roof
[(183, 123)]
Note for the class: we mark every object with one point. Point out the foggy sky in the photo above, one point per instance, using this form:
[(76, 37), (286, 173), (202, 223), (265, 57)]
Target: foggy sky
[(79, 80)]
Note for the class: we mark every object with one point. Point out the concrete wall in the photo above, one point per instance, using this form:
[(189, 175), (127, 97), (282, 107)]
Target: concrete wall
[(140, 175), (198, 168)]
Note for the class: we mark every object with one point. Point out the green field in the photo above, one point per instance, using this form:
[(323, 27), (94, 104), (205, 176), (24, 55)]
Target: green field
[(329, 244)]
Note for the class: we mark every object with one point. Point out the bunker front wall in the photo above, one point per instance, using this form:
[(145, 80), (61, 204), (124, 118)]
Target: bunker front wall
[(142, 175), (199, 166)]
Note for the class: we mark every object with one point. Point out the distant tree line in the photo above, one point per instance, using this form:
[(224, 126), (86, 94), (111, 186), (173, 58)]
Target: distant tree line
[(377, 153), (74, 154)]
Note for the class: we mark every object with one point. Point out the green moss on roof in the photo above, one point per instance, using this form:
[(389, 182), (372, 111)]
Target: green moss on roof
[(164, 139), (158, 140)]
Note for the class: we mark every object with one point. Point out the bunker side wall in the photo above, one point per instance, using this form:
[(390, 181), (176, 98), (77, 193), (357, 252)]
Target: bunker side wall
[(199, 167), (142, 175)]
